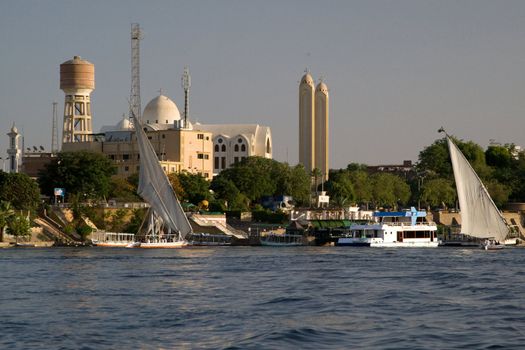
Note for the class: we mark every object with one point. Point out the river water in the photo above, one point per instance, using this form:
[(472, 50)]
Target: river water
[(262, 298)]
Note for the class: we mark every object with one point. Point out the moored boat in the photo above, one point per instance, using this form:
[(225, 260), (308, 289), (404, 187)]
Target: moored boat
[(112, 239), (167, 225), (285, 240), (393, 229), (480, 217)]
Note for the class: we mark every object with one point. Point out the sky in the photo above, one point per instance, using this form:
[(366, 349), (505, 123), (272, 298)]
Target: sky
[(396, 70)]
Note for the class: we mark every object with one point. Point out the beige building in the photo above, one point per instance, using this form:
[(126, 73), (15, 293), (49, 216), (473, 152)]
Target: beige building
[(178, 149), (181, 146), (313, 125)]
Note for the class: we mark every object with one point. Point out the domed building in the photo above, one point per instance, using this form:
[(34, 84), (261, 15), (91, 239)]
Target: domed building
[(180, 145), (161, 113), (197, 148)]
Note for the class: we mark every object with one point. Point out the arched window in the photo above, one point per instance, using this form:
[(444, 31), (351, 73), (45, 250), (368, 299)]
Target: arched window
[(268, 147), (243, 147), (223, 148), (216, 148), (236, 148)]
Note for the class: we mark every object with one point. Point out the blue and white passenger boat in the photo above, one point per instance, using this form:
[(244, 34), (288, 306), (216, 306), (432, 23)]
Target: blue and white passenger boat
[(393, 229)]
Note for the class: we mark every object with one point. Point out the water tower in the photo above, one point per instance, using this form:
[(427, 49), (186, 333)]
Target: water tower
[(77, 80)]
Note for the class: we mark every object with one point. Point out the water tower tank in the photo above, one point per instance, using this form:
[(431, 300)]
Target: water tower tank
[(77, 74)]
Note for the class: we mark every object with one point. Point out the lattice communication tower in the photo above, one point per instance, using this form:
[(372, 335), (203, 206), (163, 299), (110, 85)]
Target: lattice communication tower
[(134, 101)]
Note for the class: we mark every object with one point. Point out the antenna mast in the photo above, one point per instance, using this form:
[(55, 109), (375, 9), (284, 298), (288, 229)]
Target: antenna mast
[(54, 131), (186, 84), (134, 106)]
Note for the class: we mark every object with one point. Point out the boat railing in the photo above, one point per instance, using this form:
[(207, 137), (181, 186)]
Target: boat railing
[(391, 223)]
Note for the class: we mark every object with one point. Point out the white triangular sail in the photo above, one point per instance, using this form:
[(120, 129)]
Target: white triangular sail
[(479, 215), (155, 188)]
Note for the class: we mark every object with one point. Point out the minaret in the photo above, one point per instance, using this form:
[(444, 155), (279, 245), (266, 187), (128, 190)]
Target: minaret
[(77, 80), (306, 122), (321, 129), (14, 151)]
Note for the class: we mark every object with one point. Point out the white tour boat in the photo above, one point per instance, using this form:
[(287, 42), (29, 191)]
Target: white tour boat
[(393, 229)]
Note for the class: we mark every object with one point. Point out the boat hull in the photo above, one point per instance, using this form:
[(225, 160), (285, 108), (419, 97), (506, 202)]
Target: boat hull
[(404, 244), (163, 245), (278, 244)]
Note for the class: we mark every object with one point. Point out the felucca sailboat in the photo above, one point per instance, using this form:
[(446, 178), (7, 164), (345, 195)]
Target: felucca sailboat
[(480, 217), (167, 225)]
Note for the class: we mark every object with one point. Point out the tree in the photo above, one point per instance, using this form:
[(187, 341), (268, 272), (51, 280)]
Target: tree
[(5, 214), (498, 156), (226, 190), (83, 173), (389, 190), (498, 192), (436, 158), (439, 191), (123, 189), (340, 188), (195, 186), (176, 185), (19, 190), (361, 184), (18, 226)]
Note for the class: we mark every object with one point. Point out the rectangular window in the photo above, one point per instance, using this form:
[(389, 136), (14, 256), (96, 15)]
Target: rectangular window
[(164, 136), (200, 156), (200, 136), (206, 175), (236, 160), (125, 156), (216, 163), (223, 162), (126, 168)]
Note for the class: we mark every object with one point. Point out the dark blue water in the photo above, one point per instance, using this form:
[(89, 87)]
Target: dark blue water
[(262, 298)]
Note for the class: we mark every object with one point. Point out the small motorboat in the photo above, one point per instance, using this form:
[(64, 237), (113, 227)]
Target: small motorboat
[(491, 244)]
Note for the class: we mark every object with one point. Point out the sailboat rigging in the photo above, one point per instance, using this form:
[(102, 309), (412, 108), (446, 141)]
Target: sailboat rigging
[(168, 225), (480, 217)]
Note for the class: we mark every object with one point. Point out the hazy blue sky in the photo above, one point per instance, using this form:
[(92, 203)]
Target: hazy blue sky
[(396, 70)]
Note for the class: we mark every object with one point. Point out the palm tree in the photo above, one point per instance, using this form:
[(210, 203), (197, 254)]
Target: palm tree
[(18, 225), (5, 213)]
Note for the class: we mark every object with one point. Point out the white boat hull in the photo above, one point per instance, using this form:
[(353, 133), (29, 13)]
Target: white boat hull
[(404, 244), (111, 244), (279, 244), (163, 245)]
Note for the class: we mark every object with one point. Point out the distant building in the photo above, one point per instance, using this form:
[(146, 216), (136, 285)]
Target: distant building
[(204, 149), (405, 170), (234, 142), (314, 125)]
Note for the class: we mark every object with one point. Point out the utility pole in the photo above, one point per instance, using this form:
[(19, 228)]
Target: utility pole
[(54, 131)]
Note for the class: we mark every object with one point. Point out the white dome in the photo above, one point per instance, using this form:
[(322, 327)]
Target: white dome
[(161, 110), (124, 124)]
